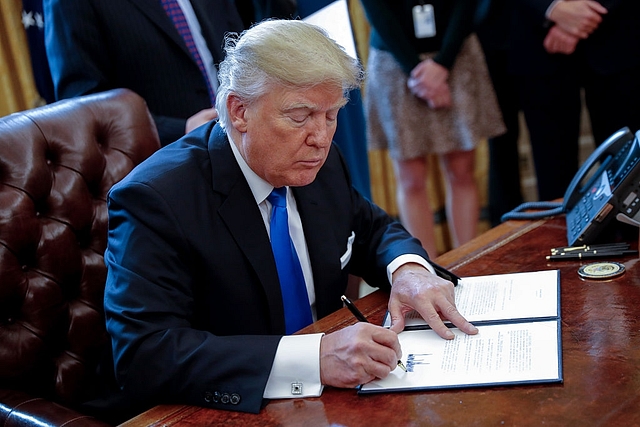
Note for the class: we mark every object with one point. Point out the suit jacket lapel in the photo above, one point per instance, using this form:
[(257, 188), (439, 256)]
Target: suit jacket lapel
[(242, 216), (322, 244)]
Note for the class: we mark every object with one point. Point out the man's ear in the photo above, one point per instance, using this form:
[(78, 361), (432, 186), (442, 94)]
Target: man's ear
[(237, 111)]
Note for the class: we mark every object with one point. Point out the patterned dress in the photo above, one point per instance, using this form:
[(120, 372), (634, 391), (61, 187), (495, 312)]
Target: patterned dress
[(402, 123)]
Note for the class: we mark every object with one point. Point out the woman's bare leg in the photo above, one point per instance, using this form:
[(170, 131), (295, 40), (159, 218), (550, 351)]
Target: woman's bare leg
[(462, 202), (413, 204)]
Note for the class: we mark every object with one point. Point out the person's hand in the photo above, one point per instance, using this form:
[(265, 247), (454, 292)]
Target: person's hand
[(579, 18), (559, 41), (200, 118), (416, 288), (428, 81), (357, 355)]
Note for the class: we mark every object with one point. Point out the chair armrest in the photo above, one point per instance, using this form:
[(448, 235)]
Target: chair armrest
[(18, 409)]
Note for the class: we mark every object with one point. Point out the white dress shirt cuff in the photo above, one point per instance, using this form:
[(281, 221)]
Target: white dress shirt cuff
[(405, 259), (296, 368), (553, 4)]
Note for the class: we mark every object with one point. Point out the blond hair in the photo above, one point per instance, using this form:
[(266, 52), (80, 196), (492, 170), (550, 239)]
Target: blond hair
[(289, 53)]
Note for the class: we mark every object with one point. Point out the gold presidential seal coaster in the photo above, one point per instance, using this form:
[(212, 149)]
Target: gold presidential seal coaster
[(601, 270)]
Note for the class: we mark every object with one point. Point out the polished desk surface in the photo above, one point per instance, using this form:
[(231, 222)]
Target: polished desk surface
[(600, 344)]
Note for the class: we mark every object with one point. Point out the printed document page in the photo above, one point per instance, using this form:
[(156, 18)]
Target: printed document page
[(499, 354), (530, 295)]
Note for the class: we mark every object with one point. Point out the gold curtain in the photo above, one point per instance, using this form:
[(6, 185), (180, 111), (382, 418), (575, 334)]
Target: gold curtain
[(17, 87)]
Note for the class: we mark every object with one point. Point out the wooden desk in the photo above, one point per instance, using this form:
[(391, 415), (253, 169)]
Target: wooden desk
[(601, 356)]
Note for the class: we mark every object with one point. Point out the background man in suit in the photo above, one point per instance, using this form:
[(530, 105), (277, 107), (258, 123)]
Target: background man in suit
[(193, 299), (95, 45), (493, 20), (560, 48)]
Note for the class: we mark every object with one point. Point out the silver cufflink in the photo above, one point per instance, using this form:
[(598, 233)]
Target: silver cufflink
[(296, 388)]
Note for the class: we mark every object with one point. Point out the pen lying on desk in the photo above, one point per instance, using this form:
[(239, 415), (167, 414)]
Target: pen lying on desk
[(354, 310), (587, 248), (591, 254)]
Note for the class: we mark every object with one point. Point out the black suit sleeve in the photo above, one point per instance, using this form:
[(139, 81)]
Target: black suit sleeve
[(74, 44)]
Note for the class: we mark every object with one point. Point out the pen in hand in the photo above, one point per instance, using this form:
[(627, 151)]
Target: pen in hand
[(353, 309)]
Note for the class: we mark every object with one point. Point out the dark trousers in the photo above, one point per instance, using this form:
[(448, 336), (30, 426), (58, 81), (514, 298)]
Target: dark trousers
[(613, 102), (504, 161), (552, 108)]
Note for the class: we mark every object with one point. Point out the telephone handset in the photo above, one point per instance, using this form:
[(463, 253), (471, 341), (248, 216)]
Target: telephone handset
[(607, 185)]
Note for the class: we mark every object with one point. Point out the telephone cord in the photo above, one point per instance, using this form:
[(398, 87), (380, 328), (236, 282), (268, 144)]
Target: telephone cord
[(550, 209)]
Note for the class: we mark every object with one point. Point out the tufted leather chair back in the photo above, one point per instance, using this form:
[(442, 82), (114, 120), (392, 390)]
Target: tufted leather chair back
[(57, 164)]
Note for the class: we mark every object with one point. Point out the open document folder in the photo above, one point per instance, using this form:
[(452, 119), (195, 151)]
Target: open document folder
[(518, 340)]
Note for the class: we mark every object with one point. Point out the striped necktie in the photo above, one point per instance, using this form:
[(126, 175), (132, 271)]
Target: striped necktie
[(180, 22)]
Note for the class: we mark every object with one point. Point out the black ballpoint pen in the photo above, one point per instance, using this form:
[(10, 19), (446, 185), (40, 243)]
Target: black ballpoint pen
[(353, 309), (592, 254), (588, 248), (444, 273)]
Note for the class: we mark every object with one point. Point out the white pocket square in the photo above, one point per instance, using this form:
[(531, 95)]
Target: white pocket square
[(344, 259)]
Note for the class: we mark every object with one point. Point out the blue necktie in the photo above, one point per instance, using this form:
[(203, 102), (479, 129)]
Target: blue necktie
[(297, 312)]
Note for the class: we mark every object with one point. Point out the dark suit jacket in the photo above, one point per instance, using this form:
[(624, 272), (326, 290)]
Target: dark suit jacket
[(192, 300), (610, 49), (96, 45)]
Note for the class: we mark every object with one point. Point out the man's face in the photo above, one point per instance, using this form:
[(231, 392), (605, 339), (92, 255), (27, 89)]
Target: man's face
[(286, 134)]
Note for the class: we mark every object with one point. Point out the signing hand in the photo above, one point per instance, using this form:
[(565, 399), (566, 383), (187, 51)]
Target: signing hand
[(357, 355), (200, 118), (415, 288)]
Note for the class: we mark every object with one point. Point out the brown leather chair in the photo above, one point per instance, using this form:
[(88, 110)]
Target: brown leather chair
[(57, 164)]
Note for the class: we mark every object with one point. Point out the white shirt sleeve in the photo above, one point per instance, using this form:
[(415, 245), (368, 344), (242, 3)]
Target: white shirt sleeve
[(296, 368), (404, 259)]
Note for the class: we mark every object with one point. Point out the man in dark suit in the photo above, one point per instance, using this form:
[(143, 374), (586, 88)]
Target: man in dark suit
[(95, 45), (493, 20), (559, 49), (193, 299)]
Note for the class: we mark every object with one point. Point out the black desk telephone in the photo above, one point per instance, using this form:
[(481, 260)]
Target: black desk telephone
[(607, 186)]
